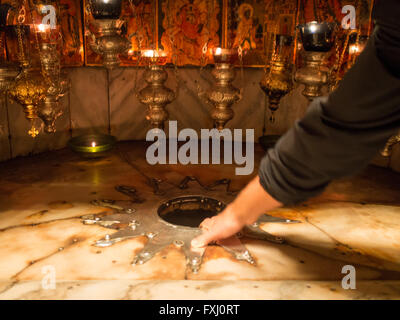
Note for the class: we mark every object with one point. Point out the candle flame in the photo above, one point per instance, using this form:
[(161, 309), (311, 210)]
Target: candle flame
[(149, 53), (354, 49), (218, 51), (93, 144), (313, 28), (42, 27)]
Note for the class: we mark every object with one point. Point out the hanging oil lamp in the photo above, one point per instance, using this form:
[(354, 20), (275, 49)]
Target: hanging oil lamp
[(50, 110), (223, 94), (49, 42), (29, 91), (318, 40), (277, 82), (30, 86), (107, 40), (155, 95)]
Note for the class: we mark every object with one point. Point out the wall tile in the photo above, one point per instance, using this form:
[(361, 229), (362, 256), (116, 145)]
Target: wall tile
[(99, 99), (127, 113), (89, 100)]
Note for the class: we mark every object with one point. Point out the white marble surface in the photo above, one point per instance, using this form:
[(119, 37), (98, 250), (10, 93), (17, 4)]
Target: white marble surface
[(42, 200), (199, 290)]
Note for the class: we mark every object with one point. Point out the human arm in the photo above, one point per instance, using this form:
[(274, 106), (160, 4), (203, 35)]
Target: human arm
[(338, 136)]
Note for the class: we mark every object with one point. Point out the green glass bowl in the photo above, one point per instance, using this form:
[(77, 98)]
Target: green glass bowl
[(83, 145)]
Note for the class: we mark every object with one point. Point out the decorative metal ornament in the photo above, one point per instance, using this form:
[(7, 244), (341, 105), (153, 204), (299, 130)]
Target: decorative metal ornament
[(223, 95), (314, 75), (155, 95), (276, 84), (317, 40), (108, 41), (18, 44), (29, 91), (49, 111), (159, 223)]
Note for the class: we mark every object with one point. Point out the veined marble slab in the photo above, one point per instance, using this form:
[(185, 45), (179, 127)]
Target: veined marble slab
[(199, 290), (42, 199), (89, 100)]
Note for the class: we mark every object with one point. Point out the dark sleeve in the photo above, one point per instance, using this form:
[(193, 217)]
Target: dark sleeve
[(340, 134)]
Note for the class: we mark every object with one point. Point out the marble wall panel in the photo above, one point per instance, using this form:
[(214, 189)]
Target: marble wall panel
[(89, 99), (104, 101), (128, 114), (5, 152)]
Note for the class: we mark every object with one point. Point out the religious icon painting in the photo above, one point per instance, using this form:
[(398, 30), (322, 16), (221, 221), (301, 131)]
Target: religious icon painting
[(139, 17), (331, 11), (254, 24), (69, 22), (188, 30), (246, 30)]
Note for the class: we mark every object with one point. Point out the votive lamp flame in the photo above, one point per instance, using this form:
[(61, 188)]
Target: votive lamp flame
[(43, 27), (313, 28), (93, 144), (149, 54), (225, 55), (155, 57), (354, 49)]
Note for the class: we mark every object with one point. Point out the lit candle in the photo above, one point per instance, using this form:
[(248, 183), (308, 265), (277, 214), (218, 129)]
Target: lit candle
[(92, 145), (313, 28), (155, 57), (354, 49), (225, 55), (47, 33), (43, 27), (149, 54)]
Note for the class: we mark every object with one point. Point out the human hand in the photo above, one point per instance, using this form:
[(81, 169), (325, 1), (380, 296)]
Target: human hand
[(217, 228)]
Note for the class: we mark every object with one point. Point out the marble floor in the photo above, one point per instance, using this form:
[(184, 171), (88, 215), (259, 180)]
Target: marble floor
[(356, 221)]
